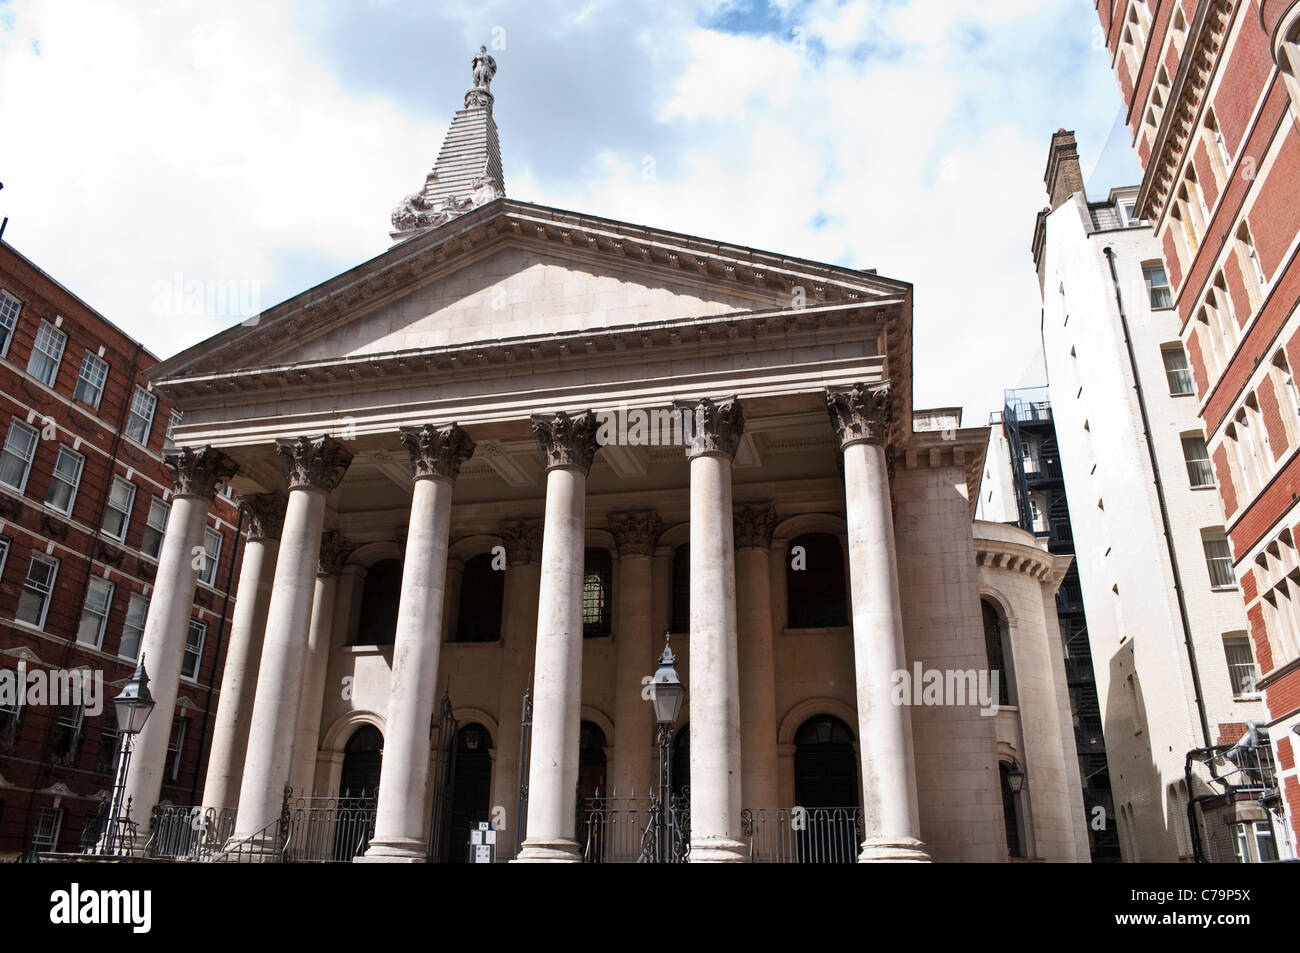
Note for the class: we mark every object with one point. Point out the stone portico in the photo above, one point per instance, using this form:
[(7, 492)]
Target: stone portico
[(457, 486)]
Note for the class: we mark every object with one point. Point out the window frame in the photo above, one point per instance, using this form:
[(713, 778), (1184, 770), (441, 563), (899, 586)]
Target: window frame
[(1186, 369), (132, 416), (21, 426), (1218, 537), (211, 559), (109, 507), (160, 530), (74, 483), (202, 628), (1154, 290), (95, 362), (1203, 465), (53, 563), (54, 333), (11, 308), (86, 611), (129, 626), (1243, 684)]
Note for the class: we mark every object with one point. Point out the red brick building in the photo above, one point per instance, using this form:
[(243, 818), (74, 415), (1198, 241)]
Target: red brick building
[(1212, 99), (84, 495)]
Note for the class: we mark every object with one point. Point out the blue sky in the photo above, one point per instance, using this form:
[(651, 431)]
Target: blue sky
[(151, 146)]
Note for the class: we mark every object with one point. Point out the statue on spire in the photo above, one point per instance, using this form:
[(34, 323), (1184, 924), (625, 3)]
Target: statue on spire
[(484, 67)]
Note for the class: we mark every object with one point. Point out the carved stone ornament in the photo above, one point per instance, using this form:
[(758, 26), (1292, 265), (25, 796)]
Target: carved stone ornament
[(712, 426), (523, 541), (312, 463), (197, 471), (860, 413), (335, 548), (566, 441), (265, 512), (437, 451), (753, 524), (635, 533)]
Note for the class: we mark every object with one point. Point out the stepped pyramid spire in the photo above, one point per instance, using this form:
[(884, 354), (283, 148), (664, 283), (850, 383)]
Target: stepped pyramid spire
[(467, 173)]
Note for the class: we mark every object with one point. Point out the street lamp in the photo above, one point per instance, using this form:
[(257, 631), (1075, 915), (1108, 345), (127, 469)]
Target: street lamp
[(132, 706), (1015, 778), (666, 694)]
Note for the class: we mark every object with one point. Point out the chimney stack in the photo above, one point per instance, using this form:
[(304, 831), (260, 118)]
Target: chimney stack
[(1064, 177)]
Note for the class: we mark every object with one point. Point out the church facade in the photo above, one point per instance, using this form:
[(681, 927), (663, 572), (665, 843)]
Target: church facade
[(489, 470)]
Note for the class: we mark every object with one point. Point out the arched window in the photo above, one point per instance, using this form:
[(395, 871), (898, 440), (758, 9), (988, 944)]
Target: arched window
[(597, 593), (814, 574), (379, 597), (1011, 815), (481, 593), (999, 651), (681, 603), (825, 767), (591, 760)]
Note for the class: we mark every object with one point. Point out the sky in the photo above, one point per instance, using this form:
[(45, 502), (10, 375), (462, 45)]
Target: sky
[(183, 165)]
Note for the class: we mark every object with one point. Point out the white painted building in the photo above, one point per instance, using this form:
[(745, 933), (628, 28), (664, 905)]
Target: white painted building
[(1165, 619)]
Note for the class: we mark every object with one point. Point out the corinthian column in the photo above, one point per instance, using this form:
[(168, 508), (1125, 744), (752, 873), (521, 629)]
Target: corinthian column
[(753, 528), (634, 725), (860, 415), (197, 473), (313, 467), (334, 551), (714, 675), (436, 455), (568, 445), (523, 542), (265, 512)]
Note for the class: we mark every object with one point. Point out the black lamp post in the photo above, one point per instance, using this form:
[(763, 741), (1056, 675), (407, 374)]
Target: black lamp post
[(666, 694), (1015, 778), (133, 706)]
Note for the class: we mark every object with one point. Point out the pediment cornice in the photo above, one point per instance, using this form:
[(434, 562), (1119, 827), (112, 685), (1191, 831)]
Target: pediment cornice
[(682, 259)]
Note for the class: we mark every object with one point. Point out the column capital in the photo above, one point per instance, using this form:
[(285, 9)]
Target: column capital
[(566, 441), (265, 512), (714, 426), (523, 541), (437, 451), (635, 531), (753, 524), (196, 471), (312, 463), (335, 548), (860, 412)]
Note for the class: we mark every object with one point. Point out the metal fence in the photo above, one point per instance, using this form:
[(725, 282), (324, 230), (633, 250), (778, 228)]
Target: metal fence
[(189, 833), (823, 835)]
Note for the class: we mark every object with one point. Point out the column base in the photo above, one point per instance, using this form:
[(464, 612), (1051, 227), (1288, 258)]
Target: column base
[(893, 850), (717, 850), (398, 851), (560, 851)]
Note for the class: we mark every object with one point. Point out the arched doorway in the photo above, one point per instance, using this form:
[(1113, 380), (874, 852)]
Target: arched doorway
[(591, 761), (471, 790), (826, 787), (354, 821), (362, 757)]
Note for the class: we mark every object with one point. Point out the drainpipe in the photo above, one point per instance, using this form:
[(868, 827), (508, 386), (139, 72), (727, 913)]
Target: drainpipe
[(1164, 509)]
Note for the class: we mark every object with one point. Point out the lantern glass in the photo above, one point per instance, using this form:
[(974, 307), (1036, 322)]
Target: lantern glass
[(134, 703), (668, 690)]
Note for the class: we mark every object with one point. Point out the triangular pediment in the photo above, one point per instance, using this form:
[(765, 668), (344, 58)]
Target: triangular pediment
[(519, 291), (513, 270)]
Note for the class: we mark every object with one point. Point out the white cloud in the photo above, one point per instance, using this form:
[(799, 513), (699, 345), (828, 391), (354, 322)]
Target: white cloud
[(906, 137)]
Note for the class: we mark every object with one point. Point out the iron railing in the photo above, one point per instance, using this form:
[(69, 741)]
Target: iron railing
[(189, 833), (823, 835)]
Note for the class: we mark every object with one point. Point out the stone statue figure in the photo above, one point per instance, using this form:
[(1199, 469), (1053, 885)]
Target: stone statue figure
[(485, 67)]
